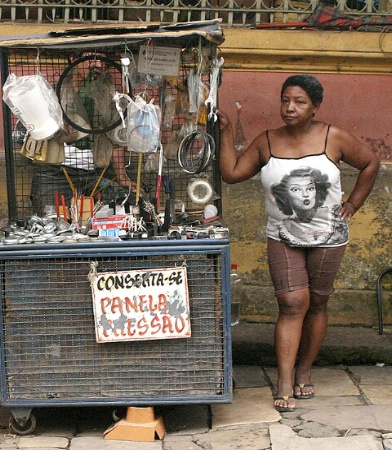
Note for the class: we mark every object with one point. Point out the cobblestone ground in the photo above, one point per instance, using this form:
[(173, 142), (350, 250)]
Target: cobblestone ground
[(352, 410)]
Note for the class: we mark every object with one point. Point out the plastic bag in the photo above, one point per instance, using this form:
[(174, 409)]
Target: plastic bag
[(102, 150), (211, 100), (152, 163), (196, 91), (182, 103), (143, 128), (33, 100), (74, 109), (169, 112), (102, 90), (170, 149), (118, 136), (187, 127)]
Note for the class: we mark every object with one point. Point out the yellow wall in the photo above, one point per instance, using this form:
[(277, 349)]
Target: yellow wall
[(308, 50), (356, 94)]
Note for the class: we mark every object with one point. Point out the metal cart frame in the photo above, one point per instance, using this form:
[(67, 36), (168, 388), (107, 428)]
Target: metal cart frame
[(49, 356)]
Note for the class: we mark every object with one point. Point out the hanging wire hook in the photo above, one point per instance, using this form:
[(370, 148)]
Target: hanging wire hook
[(37, 61), (125, 62), (149, 61)]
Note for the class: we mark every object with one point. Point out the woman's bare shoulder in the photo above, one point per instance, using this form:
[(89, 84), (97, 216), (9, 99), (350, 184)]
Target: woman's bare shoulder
[(338, 132), (275, 132), (261, 144), (342, 143)]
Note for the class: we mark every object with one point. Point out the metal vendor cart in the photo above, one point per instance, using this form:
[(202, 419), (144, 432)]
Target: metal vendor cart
[(114, 317)]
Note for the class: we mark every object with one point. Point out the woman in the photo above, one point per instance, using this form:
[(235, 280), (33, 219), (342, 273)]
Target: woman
[(305, 244)]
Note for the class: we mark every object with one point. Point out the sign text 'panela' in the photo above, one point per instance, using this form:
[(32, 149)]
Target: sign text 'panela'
[(141, 304)]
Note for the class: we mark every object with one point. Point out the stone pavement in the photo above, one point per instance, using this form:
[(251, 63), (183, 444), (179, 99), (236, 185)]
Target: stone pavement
[(352, 408)]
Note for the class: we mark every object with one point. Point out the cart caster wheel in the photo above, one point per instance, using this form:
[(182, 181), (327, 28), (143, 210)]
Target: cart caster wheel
[(119, 414), (25, 429)]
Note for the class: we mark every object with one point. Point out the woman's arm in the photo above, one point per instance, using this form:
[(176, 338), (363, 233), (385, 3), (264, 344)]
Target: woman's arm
[(235, 168), (357, 155)]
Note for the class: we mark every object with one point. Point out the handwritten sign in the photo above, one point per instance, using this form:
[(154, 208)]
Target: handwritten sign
[(141, 304), (155, 60)]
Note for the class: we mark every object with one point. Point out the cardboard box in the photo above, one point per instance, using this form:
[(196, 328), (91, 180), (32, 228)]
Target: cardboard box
[(109, 232), (109, 222), (140, 424)]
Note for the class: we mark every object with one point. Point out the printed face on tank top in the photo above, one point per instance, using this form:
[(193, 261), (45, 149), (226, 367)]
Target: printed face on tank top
[(301, 192)]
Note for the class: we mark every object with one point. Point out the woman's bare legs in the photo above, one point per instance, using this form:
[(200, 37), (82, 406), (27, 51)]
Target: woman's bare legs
[(302, 321), (313, 333), (293, 307)]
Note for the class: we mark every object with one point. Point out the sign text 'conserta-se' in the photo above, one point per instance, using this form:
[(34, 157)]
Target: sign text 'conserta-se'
[(141, 304)]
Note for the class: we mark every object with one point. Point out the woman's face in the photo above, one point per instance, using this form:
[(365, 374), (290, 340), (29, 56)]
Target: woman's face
[(302, 193), (296, 106)]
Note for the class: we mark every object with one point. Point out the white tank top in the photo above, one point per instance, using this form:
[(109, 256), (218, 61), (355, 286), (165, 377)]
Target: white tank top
[(303, 199)]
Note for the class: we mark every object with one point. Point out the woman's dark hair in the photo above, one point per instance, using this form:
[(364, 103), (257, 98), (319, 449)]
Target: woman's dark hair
[(308, 83), (279, 191)]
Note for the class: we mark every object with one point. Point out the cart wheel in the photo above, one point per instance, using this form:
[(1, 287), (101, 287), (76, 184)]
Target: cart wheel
[(119, 414), (25, 429)]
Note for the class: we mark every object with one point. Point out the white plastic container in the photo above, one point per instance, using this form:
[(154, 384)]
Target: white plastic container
[(210, 211), (33, 110), (33, 100)]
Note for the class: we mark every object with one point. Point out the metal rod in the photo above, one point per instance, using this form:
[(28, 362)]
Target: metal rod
[(379, 300), (8, 146)]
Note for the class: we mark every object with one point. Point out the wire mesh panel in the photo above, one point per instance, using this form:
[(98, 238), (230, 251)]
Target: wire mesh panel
[(96, 156), (50, 354)]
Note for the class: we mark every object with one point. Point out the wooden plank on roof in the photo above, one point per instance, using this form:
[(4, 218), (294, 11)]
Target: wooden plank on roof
[(89, 37)]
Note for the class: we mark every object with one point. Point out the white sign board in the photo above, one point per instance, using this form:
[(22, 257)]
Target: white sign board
[(156, 60), (141, 304)]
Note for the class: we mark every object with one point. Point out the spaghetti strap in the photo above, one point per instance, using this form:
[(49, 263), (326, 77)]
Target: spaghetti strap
[(269, 143), (326, 139)]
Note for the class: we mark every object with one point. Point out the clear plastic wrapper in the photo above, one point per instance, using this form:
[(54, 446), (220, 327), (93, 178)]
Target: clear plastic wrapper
[(182, 103), (169, 112), (196, 90), (170, 149), (75, 111), (144, 124), (102, 90), (187, 127), (103, 150), (33, 100), (152, 162)]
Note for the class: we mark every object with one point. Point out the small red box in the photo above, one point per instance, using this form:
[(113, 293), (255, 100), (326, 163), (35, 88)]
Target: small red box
[(108, 222)]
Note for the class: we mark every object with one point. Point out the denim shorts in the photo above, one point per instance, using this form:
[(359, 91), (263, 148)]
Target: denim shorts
[(294, 268)]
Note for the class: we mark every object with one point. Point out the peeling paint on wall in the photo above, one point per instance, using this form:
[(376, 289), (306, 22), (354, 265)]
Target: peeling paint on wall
[(380, 147)]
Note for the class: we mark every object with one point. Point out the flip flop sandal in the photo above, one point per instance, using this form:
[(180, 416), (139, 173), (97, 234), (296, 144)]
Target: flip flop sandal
[(284, 408), (303, 397)]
